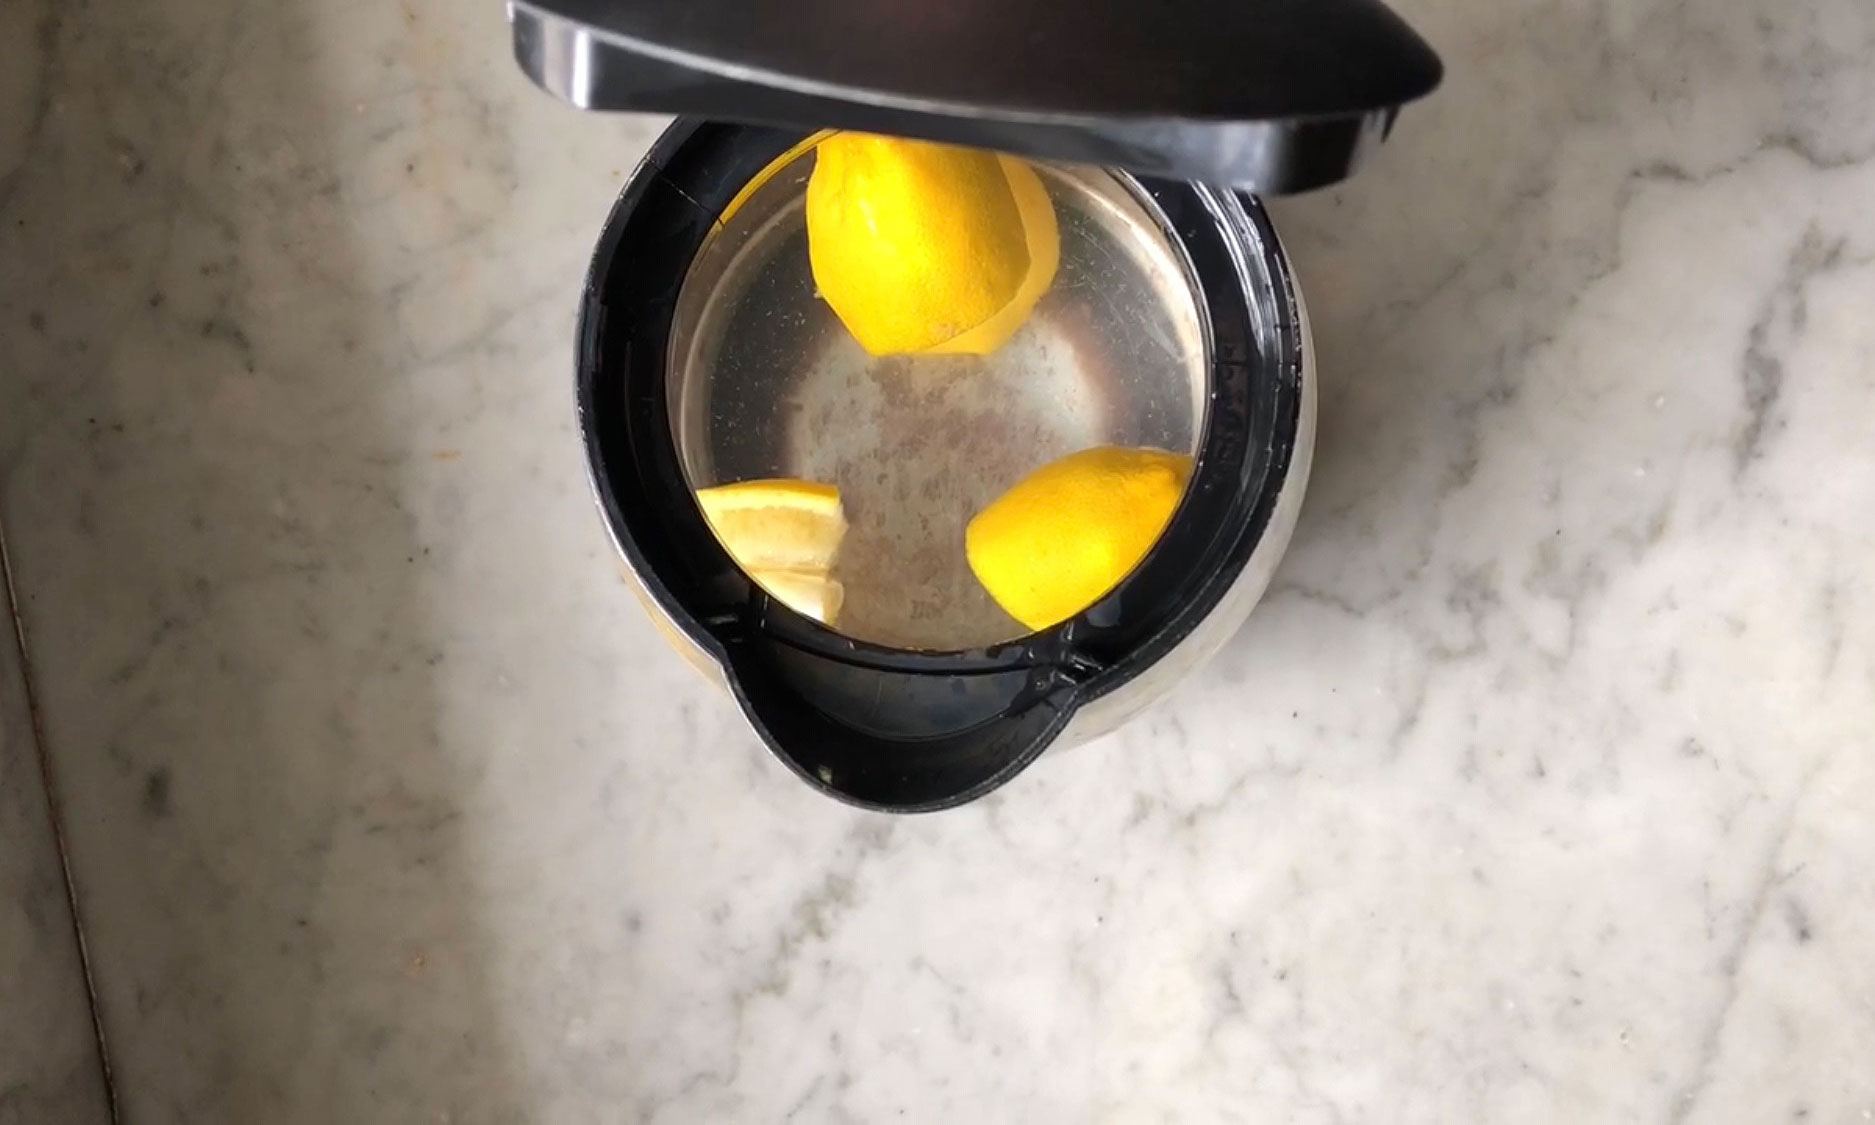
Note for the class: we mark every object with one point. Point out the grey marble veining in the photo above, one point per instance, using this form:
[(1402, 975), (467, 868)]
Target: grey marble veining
[(49, 1065), (1537, 790), (49, 1069)]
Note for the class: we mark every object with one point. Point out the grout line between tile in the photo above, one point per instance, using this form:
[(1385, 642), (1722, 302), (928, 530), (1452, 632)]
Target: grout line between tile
[(55, 816)]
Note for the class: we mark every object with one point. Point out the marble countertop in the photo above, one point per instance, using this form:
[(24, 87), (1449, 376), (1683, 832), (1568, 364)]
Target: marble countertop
[(1540, 788)]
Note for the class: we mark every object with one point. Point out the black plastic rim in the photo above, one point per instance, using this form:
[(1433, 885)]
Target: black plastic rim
[(953, 725)]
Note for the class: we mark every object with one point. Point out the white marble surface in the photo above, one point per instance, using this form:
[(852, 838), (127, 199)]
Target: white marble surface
[(1540, 789), (49, 1065), (49, 1068)]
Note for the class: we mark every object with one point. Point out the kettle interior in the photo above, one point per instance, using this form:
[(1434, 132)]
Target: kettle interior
[(706, 359)]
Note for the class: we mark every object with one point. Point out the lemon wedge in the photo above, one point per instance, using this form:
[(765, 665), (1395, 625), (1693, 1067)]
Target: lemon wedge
[(928, 248), (807, 593), (1067, 533), (785, 534)]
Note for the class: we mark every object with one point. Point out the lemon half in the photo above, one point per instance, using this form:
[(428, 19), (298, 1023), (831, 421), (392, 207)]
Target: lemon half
[(1067, 533), (928, 248)]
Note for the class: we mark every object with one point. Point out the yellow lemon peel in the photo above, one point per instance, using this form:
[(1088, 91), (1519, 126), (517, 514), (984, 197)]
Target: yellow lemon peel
[(1067, 533), (923, 248)]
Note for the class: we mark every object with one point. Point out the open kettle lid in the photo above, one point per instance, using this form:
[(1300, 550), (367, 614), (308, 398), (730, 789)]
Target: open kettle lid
[(1268, 96)]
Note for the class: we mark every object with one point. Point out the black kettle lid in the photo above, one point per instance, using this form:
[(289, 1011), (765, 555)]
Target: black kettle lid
[(1264, 95)]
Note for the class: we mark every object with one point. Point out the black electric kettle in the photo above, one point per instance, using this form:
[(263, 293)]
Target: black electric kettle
[(1156, 126)]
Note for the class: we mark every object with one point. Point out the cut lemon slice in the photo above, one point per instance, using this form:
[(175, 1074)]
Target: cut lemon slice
[(807, 593), (785, 534), (777, 524)]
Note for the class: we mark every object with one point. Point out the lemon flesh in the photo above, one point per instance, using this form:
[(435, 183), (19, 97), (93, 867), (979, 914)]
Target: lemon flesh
[(785, 534), (808, 593), (1066, 534), (928, 248)]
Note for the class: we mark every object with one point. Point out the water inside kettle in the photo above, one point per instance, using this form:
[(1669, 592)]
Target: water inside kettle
[(765, 382)]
